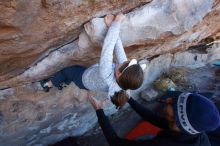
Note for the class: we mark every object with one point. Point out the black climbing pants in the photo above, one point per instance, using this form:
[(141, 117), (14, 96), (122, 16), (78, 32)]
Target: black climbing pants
[(67, 75)]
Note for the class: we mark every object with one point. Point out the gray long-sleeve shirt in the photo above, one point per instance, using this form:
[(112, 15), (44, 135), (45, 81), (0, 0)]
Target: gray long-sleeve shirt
[(100, 77)]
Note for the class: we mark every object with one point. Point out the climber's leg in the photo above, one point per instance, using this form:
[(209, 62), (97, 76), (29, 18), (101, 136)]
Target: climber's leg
[(55, 80), (74, 74), (58, 79), (66, 75)]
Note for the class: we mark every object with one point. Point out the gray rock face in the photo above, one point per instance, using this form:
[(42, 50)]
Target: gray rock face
[(34, 117), (159, 32)]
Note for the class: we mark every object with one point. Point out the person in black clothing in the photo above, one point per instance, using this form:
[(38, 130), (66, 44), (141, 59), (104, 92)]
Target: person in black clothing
[(188, 117), (214, 136)]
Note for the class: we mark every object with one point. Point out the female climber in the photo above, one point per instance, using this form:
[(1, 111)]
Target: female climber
[(105, 76)]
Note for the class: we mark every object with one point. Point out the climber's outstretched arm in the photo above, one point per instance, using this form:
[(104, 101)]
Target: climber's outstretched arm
[(110, 40), (106, 68), (120, 52)]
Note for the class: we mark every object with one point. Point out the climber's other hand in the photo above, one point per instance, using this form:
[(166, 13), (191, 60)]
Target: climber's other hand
[(120, 17)]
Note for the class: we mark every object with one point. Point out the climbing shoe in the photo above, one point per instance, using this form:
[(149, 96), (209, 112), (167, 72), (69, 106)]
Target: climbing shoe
[(44, 85)]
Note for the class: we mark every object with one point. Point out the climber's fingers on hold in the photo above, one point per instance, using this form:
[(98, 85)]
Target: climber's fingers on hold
[(120, 17)]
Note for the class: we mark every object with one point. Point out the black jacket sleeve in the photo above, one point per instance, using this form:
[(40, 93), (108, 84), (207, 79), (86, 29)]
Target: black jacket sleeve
[(148, 115), (107, 129)]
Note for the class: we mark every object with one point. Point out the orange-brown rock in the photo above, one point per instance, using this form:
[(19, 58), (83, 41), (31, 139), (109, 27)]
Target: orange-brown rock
[(28, 29)]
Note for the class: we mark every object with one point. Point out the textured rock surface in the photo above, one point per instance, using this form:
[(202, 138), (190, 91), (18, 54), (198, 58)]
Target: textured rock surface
[(203, 80), (32, 117), (163, 38), (28, 29), (37, 38), (25, 110)]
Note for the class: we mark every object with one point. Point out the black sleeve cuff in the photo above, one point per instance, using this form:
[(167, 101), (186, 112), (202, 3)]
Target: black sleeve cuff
[(100, 114), (131, 100)]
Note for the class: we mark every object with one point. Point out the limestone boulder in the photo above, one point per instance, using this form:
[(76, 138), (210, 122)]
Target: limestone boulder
[(40, 37)]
